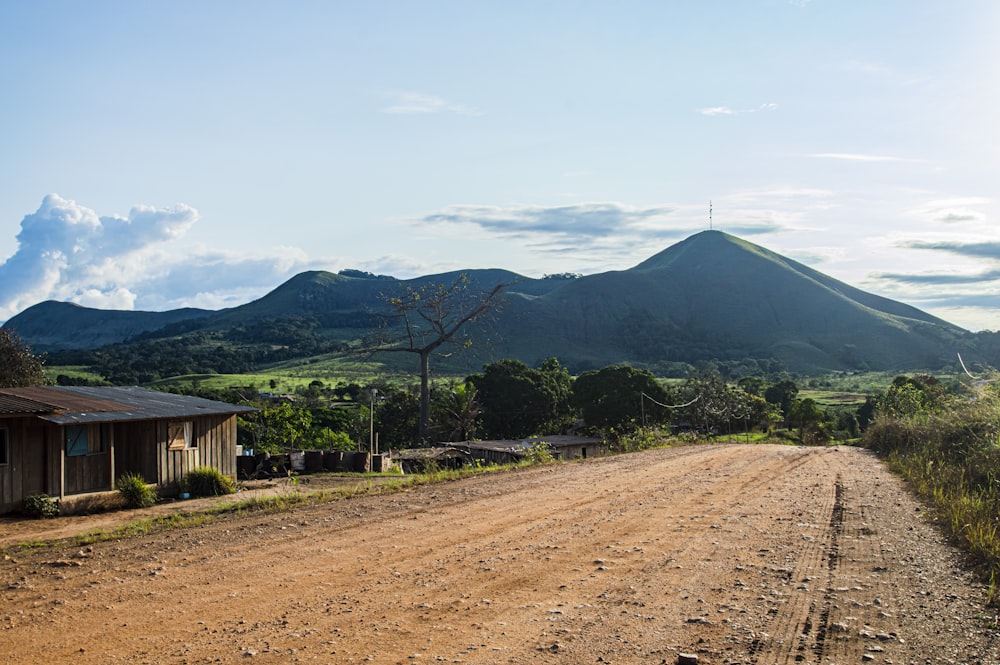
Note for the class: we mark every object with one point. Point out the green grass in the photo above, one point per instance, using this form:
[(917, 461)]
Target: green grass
[(73, 371), (951, 459)]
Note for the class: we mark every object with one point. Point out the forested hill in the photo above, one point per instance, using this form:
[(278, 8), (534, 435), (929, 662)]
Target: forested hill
[(710, 297)]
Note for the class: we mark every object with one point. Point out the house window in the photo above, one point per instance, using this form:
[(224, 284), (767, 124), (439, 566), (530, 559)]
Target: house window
[(179, 435), (84, 440), (76, 440), (4, 448)]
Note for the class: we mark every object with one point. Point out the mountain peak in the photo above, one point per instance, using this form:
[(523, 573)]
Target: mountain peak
[(701, 246)]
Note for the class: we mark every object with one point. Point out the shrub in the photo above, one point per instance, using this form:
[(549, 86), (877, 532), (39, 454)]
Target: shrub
[(135, 492), (41, 505), (539, 453), (206, 481)]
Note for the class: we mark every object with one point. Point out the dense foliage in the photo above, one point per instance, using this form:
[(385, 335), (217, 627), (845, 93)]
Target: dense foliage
[(40, 506), (519, 401), (19, 367), (620, 397), (240, 349)]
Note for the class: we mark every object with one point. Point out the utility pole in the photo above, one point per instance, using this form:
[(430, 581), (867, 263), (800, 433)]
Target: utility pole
[(709, 215), (371, 423)]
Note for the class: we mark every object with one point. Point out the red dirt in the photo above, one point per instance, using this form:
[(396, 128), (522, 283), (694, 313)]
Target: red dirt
[(736, 554)]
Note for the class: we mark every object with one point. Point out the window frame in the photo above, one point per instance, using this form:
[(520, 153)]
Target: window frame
[(184, 436), (72, 445), (96, 439), (4, 446)]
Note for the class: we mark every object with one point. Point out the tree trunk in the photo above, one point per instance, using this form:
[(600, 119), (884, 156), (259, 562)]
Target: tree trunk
[(425, 395)]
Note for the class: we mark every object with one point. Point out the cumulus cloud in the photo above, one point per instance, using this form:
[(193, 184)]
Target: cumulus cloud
[(406, 103), (68, 252)]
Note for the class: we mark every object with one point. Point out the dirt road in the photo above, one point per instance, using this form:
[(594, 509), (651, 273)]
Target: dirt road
[(735, 554)]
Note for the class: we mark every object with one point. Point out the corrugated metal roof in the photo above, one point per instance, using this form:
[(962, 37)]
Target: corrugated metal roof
[(93, 404), (58, 398), (16, 405)]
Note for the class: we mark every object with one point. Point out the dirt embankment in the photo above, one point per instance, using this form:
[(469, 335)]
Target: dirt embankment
[(737, 554)]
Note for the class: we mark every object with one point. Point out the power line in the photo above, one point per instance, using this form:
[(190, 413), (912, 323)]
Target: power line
[(671, 406)]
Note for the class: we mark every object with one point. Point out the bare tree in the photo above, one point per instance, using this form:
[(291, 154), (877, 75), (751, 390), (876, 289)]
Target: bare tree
[(423, 319)]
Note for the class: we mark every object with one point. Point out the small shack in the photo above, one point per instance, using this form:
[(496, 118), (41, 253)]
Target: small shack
[(74, 440), (421, 460), (564, 447)]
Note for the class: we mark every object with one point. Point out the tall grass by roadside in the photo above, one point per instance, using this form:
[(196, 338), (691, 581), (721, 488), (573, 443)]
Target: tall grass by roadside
[(951, 458)]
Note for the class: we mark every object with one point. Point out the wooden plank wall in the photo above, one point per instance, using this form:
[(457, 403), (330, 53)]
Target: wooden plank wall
[(36, 457), (35, 476), (88, 473), (136, 449), (27, 471), (10, 476), (216, 436)]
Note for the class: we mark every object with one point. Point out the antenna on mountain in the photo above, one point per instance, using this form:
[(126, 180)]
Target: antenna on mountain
[(709, 215)]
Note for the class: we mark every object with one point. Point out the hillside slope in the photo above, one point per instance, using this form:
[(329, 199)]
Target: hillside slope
[(53, 326), (711, 296), (716, 296)]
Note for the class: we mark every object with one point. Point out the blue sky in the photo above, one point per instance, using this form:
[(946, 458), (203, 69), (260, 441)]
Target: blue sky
[(164, 154)]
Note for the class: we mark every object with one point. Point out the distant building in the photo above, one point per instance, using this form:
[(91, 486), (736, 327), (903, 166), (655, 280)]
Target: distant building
[(564, 447), (67, 441)]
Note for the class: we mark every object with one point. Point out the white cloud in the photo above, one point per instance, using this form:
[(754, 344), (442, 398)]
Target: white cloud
[(67, 252), (405, 103), (952, 210), (862, 157), (725, 110)]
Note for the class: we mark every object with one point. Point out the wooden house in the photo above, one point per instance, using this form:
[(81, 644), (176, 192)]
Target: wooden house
[(66, 441)]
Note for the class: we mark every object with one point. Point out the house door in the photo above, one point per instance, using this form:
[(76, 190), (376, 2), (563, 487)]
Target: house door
[(34, 474)]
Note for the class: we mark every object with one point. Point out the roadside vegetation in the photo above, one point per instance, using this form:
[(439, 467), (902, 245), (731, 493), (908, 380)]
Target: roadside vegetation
[(944, 440)]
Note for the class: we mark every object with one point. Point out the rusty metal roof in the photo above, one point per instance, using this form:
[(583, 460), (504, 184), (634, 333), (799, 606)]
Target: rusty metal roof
[(57, 398), (65, 405), (17, 405)]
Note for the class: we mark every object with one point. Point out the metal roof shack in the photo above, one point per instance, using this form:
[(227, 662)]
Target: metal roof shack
[(561, 446), (68, 441), (418, 460)]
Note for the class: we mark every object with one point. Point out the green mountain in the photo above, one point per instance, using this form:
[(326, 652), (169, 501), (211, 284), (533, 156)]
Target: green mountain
[(53, 326), (715, 296), (710, 297)]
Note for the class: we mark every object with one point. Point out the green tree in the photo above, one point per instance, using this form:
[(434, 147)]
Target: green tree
[(782, 394), (518, 401), (276, 428), (806, 415), (455, 412), (620, 397), (19, 367), (753, 385), (912, 396), (710, 404), (397, 419)]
